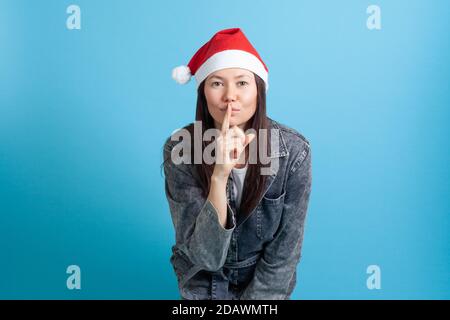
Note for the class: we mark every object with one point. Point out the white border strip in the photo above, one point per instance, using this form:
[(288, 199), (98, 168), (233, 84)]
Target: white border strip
[(232, 59)]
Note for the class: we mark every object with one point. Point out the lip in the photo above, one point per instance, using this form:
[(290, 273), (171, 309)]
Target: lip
[(232, 110)]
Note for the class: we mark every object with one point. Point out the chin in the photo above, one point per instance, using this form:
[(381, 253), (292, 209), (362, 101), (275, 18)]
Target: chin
[(235, 122)]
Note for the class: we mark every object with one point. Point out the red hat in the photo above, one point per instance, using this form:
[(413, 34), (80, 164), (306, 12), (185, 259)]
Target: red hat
[(228, 48)]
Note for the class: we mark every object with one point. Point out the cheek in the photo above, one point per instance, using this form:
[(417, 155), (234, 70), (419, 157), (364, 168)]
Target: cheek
[(213, 101), (249, 100), (212, 97)]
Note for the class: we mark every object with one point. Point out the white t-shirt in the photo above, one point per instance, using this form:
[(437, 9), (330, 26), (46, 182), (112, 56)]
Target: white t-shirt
[(238, 183)]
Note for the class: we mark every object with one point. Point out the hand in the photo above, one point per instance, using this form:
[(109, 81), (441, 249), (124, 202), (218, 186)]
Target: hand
[(229, 146)]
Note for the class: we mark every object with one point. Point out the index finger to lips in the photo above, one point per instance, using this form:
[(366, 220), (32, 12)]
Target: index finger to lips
[(226, 119)]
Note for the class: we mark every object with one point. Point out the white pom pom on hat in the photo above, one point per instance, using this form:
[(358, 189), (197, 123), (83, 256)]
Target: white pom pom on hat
[(181, 74), (228, 48)]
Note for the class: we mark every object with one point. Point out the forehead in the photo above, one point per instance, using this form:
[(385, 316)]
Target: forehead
[(231, 73)]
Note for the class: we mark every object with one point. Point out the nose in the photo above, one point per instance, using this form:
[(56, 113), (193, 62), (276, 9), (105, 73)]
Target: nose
[(230, 94)]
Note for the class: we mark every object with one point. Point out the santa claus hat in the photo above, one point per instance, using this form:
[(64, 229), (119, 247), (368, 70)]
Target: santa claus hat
[(228, 48)]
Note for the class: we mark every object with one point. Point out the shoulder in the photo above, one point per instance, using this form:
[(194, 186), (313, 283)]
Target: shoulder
[(298, 147), (174, 160), (175, 137), (293, 139)]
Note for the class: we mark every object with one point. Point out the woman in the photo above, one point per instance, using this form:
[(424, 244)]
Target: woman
[(237, 182)]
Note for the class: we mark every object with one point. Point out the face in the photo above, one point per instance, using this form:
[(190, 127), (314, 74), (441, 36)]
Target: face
[(234, 85)]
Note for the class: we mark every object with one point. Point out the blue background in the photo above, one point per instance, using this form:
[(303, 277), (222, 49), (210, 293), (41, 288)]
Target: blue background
[(84, 114)]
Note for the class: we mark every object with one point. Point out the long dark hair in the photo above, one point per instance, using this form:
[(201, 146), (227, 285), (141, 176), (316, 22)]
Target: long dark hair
[(254, 180)]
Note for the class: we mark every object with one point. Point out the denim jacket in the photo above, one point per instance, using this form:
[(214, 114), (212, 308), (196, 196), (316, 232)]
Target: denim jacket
[(251, 258)]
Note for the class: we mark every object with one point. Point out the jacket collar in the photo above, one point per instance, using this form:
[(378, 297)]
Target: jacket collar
[(279, 149)]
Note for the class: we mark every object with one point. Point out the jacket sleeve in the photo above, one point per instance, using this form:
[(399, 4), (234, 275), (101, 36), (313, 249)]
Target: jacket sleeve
[(199, 234), (275, 272)]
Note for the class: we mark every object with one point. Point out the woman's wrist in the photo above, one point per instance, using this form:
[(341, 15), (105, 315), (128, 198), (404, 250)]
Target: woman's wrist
[(219, 177)]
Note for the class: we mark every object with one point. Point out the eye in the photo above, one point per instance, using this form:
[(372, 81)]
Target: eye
[(243, 83), (215, 83)]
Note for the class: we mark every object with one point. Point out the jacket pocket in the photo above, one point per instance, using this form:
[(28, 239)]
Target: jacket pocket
[(268, 216)]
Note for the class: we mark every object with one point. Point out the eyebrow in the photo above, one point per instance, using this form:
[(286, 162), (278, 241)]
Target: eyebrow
[(237, 77)]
